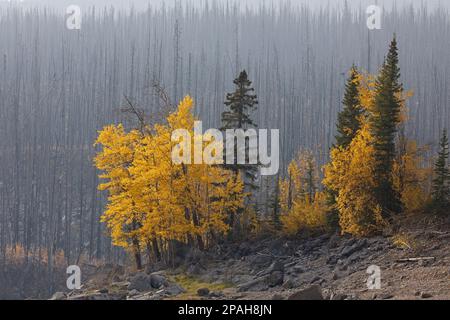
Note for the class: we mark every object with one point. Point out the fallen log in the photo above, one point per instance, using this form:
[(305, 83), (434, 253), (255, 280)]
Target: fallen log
[(415, 259)]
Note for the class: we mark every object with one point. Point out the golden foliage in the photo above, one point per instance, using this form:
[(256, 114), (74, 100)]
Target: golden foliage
[(411, 176), (302, 206), (350, 175), (151, 197)]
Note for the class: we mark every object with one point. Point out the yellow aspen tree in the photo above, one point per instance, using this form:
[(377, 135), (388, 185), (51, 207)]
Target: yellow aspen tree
[(301, 205), (154, 199), (209, 194), (411, 176), (350, 174), (120, 216), (182, 201)]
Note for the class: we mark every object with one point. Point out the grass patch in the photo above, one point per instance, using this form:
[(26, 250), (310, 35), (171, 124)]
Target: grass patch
[(404, 241), (192, 284)]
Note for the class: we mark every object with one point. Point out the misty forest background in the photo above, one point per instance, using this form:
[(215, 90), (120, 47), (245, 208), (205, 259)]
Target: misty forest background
[(58, 87)]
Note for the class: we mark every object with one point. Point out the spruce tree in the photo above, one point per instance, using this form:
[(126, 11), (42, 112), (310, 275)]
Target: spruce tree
[(384, 125), (441, 182), (347, 126), (240, 103), (348, 123)]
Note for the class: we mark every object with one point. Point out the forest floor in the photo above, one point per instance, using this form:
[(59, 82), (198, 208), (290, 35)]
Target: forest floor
[(414, 264)]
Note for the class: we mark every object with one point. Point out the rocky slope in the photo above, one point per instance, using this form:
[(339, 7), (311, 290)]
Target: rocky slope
[(414, 264)]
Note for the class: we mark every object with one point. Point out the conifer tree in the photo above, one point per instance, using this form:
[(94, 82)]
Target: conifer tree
[(441, 182), (384, 124), (241, 103), (348, 123)]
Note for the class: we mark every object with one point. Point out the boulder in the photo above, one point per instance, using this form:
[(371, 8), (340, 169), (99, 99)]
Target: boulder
[(203, 292), (338, 296), (259, 284), (157, 280), (174, 289), (289, 284), (275, 278), (140, 282), (311, 293)]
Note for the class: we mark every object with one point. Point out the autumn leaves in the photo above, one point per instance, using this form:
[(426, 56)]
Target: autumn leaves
[(374, 172), (153, 200)]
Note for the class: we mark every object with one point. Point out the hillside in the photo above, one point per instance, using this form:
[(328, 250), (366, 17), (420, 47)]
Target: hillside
[(281, 268)]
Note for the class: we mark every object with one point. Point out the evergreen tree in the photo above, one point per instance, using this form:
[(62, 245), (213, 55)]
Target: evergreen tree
[(348, 124), (240, 103), (441, 182), (384, 124), (348, 119)]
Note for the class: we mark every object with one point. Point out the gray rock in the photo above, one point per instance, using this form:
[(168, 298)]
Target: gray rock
[(311, 293), (383, 296), (203, 292), (157, 281), (338, 296), (425, 295), (289, 284), (215, 294), (259, 284), (174, 289), (350, 249), (275, 278), (140, 282)]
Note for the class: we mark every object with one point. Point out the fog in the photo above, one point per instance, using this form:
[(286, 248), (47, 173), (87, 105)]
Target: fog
[(59, 86)]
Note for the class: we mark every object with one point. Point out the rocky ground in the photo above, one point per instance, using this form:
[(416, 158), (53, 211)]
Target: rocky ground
[(414, 264)]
